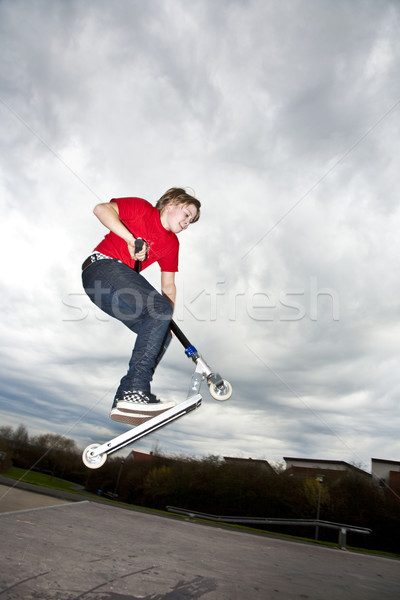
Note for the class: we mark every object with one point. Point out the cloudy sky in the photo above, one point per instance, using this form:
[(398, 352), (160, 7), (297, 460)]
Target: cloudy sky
[(283, 117)]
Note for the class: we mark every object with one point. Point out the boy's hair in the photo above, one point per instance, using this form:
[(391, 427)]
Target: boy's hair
[(178, 196)]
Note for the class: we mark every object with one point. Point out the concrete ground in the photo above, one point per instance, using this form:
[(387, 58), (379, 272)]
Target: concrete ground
[(12, 499), (91, 551)]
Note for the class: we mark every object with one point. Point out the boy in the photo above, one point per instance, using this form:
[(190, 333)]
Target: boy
[(112, 283)]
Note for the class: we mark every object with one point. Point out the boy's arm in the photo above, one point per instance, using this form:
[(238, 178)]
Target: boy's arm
[(108, 215), (168, 287)]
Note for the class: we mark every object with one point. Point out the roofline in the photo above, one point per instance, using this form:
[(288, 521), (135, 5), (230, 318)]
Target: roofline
[(387, 462), (327, 462), (319, 460), (263, 460)]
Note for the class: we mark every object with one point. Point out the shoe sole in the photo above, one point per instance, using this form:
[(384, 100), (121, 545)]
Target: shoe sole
[(151, 410), (130, 418)]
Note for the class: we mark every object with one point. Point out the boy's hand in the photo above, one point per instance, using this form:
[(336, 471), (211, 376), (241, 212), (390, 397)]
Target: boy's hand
[(138, 249)]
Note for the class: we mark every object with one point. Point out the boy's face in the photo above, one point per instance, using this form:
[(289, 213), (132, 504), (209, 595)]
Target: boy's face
[(177, 217)]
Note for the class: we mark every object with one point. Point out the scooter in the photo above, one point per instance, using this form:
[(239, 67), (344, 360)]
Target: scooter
[(95, 455)]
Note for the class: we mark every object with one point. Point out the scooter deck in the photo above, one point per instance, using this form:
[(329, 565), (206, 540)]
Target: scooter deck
[(98, 453)]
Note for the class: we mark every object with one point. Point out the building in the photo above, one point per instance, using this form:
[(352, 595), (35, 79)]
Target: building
[(141, 456), (312, 467), (386, 473)]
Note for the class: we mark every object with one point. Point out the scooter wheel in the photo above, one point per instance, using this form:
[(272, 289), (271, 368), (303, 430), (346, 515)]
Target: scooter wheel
[(93, 462), (222, 392)]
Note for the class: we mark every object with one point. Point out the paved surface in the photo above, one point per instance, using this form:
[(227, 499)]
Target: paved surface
[(12, 499), (90, 551)]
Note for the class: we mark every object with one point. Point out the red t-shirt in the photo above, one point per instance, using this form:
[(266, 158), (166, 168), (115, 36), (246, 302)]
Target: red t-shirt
[(143, 220)]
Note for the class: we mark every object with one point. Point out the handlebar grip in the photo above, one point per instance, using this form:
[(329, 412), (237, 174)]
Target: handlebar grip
[(139, 242)]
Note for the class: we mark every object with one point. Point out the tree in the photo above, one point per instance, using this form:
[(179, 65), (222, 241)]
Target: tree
[(5, 456), (55, 441), (315, 492), (55, 453)]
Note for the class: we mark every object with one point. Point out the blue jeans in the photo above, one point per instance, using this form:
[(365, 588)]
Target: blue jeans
[(127, 296)]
